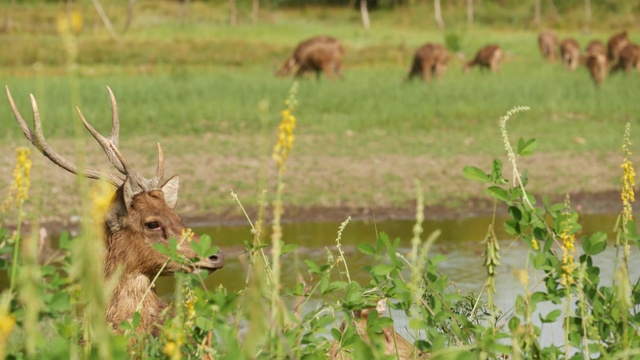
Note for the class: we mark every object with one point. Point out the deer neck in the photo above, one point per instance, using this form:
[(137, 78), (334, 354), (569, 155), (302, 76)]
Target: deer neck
[(132, 293)]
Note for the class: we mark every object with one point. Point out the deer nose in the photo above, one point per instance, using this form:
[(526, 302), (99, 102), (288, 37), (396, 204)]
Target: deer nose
[(217, 259)]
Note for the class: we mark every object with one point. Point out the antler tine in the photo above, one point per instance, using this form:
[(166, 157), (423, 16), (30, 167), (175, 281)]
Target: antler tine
[(128, 170), (115, 118), (23, 124), (105, 143), (36, 137), (160, 167)]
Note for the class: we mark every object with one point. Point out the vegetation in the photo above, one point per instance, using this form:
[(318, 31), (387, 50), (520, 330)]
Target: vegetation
[(55, 308), (62, 316), (178, 78)]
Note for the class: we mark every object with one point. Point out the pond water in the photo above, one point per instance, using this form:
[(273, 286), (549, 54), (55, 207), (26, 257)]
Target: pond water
[(460, 241)]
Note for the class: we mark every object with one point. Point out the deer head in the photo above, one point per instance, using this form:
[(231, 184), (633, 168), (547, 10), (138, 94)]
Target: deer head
[(141, 214)]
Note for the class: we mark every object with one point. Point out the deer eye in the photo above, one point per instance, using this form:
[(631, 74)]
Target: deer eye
[(152, 225)]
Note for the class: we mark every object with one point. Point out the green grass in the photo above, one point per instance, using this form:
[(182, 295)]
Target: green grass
[(177, 81), (370, 101)]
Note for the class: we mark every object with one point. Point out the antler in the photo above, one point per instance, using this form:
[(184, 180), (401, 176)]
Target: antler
[(109, 146)]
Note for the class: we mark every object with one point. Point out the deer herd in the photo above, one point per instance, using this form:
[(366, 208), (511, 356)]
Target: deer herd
[(618, 54), (322, 54)]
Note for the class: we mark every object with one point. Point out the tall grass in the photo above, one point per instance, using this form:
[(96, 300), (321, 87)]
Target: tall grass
[(260, 322)]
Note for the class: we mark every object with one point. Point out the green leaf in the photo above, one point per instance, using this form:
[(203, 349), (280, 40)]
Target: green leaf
[(499, 193), (313, 267), (595, 244), (289, 248), (161, 248), (474, 173), (336, 334), (366, 249), (516, 214), (525, 148), (524, 177), (551, 317), (496, 172), (382, 269)]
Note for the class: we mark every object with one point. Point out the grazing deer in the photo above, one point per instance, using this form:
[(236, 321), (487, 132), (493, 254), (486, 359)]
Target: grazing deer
[(595, 47), (570, 53), (317, 54), (429, 60), (596, 62), (628, 59), (615, 45), (548, 44), (141, 214), (489, 57)]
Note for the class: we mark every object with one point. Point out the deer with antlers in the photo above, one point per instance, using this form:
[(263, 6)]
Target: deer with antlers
[(141, 214)]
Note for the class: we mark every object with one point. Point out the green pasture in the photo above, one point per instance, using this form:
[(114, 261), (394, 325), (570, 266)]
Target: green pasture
[(178, 78)]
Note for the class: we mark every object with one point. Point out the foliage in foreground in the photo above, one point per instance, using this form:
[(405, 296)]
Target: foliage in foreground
[(54, 309)]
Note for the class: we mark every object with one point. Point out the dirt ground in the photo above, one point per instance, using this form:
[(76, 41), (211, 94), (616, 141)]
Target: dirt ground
[(320, 186)]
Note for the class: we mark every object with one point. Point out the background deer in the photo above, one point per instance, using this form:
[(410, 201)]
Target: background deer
[(548, 44), (570, 53), (317, 54), (628, 59), (488, 57), (429, 60), (595, 47), (141, 214), (616, 43)]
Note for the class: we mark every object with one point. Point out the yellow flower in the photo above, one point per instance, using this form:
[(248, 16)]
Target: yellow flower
[(285, 131), (72, 22), (170, 349), (535, 244), (7, 323), (19, 191), (101, 195)]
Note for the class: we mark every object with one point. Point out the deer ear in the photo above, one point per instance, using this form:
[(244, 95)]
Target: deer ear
[(170, 190)]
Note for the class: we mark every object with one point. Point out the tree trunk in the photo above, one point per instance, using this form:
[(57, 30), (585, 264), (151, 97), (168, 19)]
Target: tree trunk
[(233, 13), (536, 12), (255, 11), (438, 13), (183, 12), (6, 27), (587, 13), (129, 19), (365, 14), (470, 12)]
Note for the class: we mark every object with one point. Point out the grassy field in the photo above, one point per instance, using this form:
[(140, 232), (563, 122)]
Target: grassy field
[(196, 84)]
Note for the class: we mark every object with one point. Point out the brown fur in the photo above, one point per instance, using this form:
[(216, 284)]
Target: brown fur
[(615, 45), (394, 344), (629, 59), (128, 245), (597, 64), (595, 47), (489, 57), (317, 54), (429, 60), (548, 44), (570, 53)]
